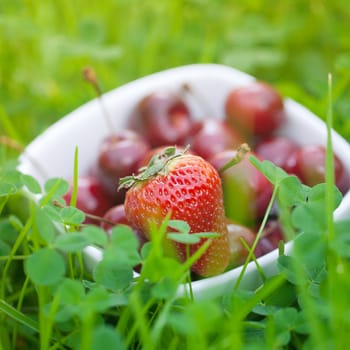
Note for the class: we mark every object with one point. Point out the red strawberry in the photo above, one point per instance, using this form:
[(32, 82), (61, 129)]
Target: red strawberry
[(190, 189)]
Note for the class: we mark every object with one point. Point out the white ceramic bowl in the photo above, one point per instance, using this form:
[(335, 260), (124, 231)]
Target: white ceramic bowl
[(85, 128)]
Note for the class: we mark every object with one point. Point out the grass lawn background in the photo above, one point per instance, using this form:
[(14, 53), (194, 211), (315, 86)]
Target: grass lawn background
[(292, 44), (44, 46)]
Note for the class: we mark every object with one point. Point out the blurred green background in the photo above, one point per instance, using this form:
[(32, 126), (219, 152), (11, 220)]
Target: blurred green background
[(44, 45)]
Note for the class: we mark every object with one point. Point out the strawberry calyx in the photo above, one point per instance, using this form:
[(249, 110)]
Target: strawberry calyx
[(156, 165)]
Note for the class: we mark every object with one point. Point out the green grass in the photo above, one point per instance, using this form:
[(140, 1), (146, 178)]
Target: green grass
[(45, 45), (293, 44)]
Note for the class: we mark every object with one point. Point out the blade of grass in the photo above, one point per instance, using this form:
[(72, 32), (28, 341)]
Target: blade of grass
[(318, 331), (23, 233), (87, 330), (141, 322), (123, 324), (45, 336), (237, 318), (18, 316), (73, 203), (184, 272), (43, 298), (19, 307), (251, 251), (336, 298), (9, 129), (330, 181), (73, 200)]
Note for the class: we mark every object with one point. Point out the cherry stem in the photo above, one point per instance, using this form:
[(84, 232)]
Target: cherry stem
[(11, 143), (99, 218), (90, 76), (18, 147), (187, 89), (241, 151)]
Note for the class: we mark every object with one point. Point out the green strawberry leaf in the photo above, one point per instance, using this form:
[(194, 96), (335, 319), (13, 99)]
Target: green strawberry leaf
[(156, 165)]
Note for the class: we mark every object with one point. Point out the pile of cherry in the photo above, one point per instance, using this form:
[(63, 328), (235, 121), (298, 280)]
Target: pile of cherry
[(253, 115)]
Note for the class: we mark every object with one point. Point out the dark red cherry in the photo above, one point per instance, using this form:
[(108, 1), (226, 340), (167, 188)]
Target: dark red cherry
[(116, 215), (91, 198), (237, 233), (210, 136), (257, 108), (113, 216), (270, 238), (162, 118), (119, 156), (308, 163), (276, 149)]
